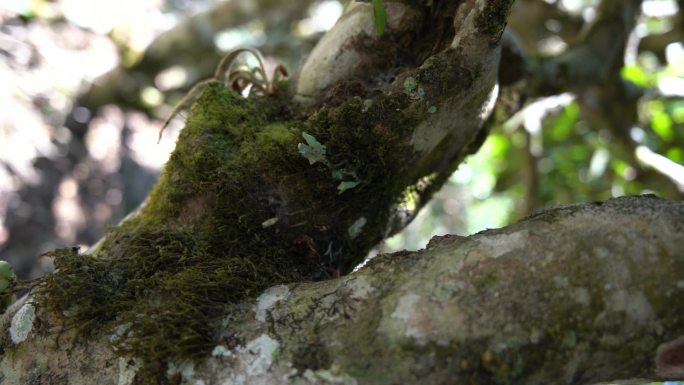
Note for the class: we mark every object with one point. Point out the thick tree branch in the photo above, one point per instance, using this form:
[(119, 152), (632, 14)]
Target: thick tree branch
[(574, 295)]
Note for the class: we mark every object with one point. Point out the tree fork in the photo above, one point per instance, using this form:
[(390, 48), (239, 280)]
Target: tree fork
[(290, 188)]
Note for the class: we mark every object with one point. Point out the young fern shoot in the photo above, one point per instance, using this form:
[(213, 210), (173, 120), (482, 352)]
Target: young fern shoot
[(238, 78)]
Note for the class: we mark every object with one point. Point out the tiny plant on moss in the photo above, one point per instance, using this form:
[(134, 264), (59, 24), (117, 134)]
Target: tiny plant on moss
[(315, 152), (238, 77), (357, 227)]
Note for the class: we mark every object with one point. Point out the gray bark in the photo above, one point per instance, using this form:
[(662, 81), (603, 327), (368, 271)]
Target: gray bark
[(573, 295)]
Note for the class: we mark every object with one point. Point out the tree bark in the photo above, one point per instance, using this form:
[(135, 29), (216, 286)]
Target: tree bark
[(574, 295)]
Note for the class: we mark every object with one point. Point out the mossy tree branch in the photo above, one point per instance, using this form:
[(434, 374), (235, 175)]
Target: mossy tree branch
[(575, 295), (243, 205)]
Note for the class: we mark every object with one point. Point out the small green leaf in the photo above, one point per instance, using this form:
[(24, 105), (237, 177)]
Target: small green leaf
[(346, 185), (356, 228), (380, 16), (348, 179), (311, 141), (314, 151), (343, 173)]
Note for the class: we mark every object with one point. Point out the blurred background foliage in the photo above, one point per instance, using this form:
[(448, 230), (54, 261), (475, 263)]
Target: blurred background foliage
[(87, 83)]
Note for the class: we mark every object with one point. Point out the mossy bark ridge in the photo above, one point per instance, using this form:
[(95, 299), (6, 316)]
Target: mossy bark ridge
[(242, 205)]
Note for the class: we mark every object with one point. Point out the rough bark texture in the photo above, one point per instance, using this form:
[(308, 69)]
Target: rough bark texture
[(574, 295)]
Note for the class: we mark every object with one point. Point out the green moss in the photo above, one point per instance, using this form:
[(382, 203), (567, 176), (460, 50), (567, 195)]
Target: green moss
[(160, 281)]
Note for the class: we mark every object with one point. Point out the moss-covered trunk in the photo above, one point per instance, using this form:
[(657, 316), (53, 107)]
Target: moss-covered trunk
[(289, 188)]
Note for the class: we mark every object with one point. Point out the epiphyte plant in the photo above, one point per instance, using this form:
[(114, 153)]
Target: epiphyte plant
[(315, 152), (238, 77)]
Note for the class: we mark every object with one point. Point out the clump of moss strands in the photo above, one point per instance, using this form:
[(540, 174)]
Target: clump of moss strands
[(159, 282)]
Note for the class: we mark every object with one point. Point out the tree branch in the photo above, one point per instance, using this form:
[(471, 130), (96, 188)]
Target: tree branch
[(291, 187), (578, 294)]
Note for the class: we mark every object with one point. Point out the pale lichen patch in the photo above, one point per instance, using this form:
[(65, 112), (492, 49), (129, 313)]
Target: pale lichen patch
[(22, 323), (498, 245), (415, 317), (221, 351), (328, 377), (360, 287), (561, 282), (119, 332), (634, 304), (252, 362), (269, 298), (186, 370), (406, 307), (262, 348), (581, 295), (127, 371)]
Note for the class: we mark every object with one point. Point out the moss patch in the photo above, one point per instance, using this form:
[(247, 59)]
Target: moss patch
[(237, 209)]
